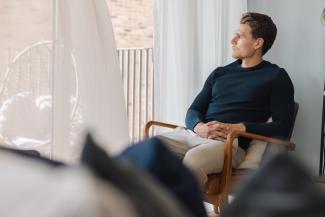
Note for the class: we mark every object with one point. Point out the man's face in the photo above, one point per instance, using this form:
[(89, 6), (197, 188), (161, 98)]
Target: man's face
[(243, 43)]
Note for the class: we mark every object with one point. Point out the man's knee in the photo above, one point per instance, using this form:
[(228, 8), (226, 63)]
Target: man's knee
[(205, 159), (193, 160)]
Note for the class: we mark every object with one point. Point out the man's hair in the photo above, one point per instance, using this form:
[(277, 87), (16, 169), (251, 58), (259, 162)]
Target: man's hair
[(262, 27)]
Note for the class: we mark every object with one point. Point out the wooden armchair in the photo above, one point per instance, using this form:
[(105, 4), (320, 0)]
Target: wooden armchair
[(218, 185)]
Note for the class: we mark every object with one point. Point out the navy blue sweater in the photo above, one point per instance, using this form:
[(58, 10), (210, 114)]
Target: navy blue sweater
[(233, 94)]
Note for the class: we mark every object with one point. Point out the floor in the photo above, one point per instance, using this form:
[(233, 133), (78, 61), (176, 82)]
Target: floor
[(210, 210)]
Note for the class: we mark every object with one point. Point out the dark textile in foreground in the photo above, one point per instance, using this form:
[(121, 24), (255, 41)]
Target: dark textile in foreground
[(152, 156), (281, 188)]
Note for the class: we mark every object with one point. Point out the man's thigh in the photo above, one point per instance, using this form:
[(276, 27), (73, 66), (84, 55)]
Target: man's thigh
[(181, 140), (199, 151)]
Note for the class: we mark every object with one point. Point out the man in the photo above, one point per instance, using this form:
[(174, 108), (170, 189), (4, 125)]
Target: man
[(240, 96)]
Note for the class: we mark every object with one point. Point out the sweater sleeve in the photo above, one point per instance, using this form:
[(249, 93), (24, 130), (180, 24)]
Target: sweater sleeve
[(197, 110), (282, 106)]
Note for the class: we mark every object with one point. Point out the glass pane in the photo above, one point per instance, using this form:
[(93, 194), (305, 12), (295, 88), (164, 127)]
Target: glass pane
[(133, 28), (25, 65)]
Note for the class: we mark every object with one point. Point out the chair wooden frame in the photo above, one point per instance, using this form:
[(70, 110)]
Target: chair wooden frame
[(218, 186)]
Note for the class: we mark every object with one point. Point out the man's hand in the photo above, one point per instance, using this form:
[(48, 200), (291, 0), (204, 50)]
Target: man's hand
[(217, 130), (212, 130), (202, 130)]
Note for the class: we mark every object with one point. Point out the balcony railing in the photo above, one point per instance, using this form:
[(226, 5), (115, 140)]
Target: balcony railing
[(137, 75), (136, 71)]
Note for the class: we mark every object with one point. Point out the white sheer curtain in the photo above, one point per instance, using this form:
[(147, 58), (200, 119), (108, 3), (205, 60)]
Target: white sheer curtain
[(192, 37), (84, 50)]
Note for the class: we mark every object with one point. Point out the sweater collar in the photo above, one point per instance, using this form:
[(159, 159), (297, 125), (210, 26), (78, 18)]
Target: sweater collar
[(258, 66)]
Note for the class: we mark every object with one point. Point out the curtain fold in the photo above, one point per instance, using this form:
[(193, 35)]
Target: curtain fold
[(192, 37), (85, 59)]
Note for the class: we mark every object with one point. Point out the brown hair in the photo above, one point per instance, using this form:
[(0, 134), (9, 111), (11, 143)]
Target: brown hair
[(262, 27)]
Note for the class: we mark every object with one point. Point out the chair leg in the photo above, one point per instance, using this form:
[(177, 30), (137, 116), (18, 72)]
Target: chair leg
[(218, 203), (216, 209), (222, 203)]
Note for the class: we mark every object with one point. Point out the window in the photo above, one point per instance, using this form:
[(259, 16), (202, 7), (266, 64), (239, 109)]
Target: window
[(133, 28)]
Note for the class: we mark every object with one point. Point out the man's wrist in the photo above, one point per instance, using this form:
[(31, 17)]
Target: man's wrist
[(243, 127), (197, 127)]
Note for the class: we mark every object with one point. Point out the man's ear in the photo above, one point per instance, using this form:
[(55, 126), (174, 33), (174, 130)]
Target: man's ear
[(259, 43)]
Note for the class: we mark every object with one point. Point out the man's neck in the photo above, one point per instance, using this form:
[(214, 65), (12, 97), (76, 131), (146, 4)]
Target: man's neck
[(251, 62)]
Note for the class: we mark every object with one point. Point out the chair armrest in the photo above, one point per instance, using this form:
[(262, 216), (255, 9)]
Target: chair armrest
[(227, 167), (157, 123), (288, 145)]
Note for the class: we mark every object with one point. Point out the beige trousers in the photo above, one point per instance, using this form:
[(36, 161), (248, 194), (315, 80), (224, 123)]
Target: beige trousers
[(202, 156)]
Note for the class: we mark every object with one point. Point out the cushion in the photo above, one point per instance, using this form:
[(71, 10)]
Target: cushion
[(254, 153)]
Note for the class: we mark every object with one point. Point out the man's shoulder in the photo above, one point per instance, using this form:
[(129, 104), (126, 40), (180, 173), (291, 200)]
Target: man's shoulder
[(276, 74), (272, 66), (279, 76), (231, 65), (220, 70), (236, 65), (275, 69)]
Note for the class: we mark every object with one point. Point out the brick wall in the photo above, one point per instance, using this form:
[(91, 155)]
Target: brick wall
[(25, 22), (132, 22)]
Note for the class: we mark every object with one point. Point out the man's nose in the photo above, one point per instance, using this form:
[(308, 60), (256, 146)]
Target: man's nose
[(233, 40)]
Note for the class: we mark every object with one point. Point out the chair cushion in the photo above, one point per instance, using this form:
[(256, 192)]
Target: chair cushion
[(254, 153)]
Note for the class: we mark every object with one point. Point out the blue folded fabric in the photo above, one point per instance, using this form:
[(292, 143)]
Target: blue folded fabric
[(152, 156)]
